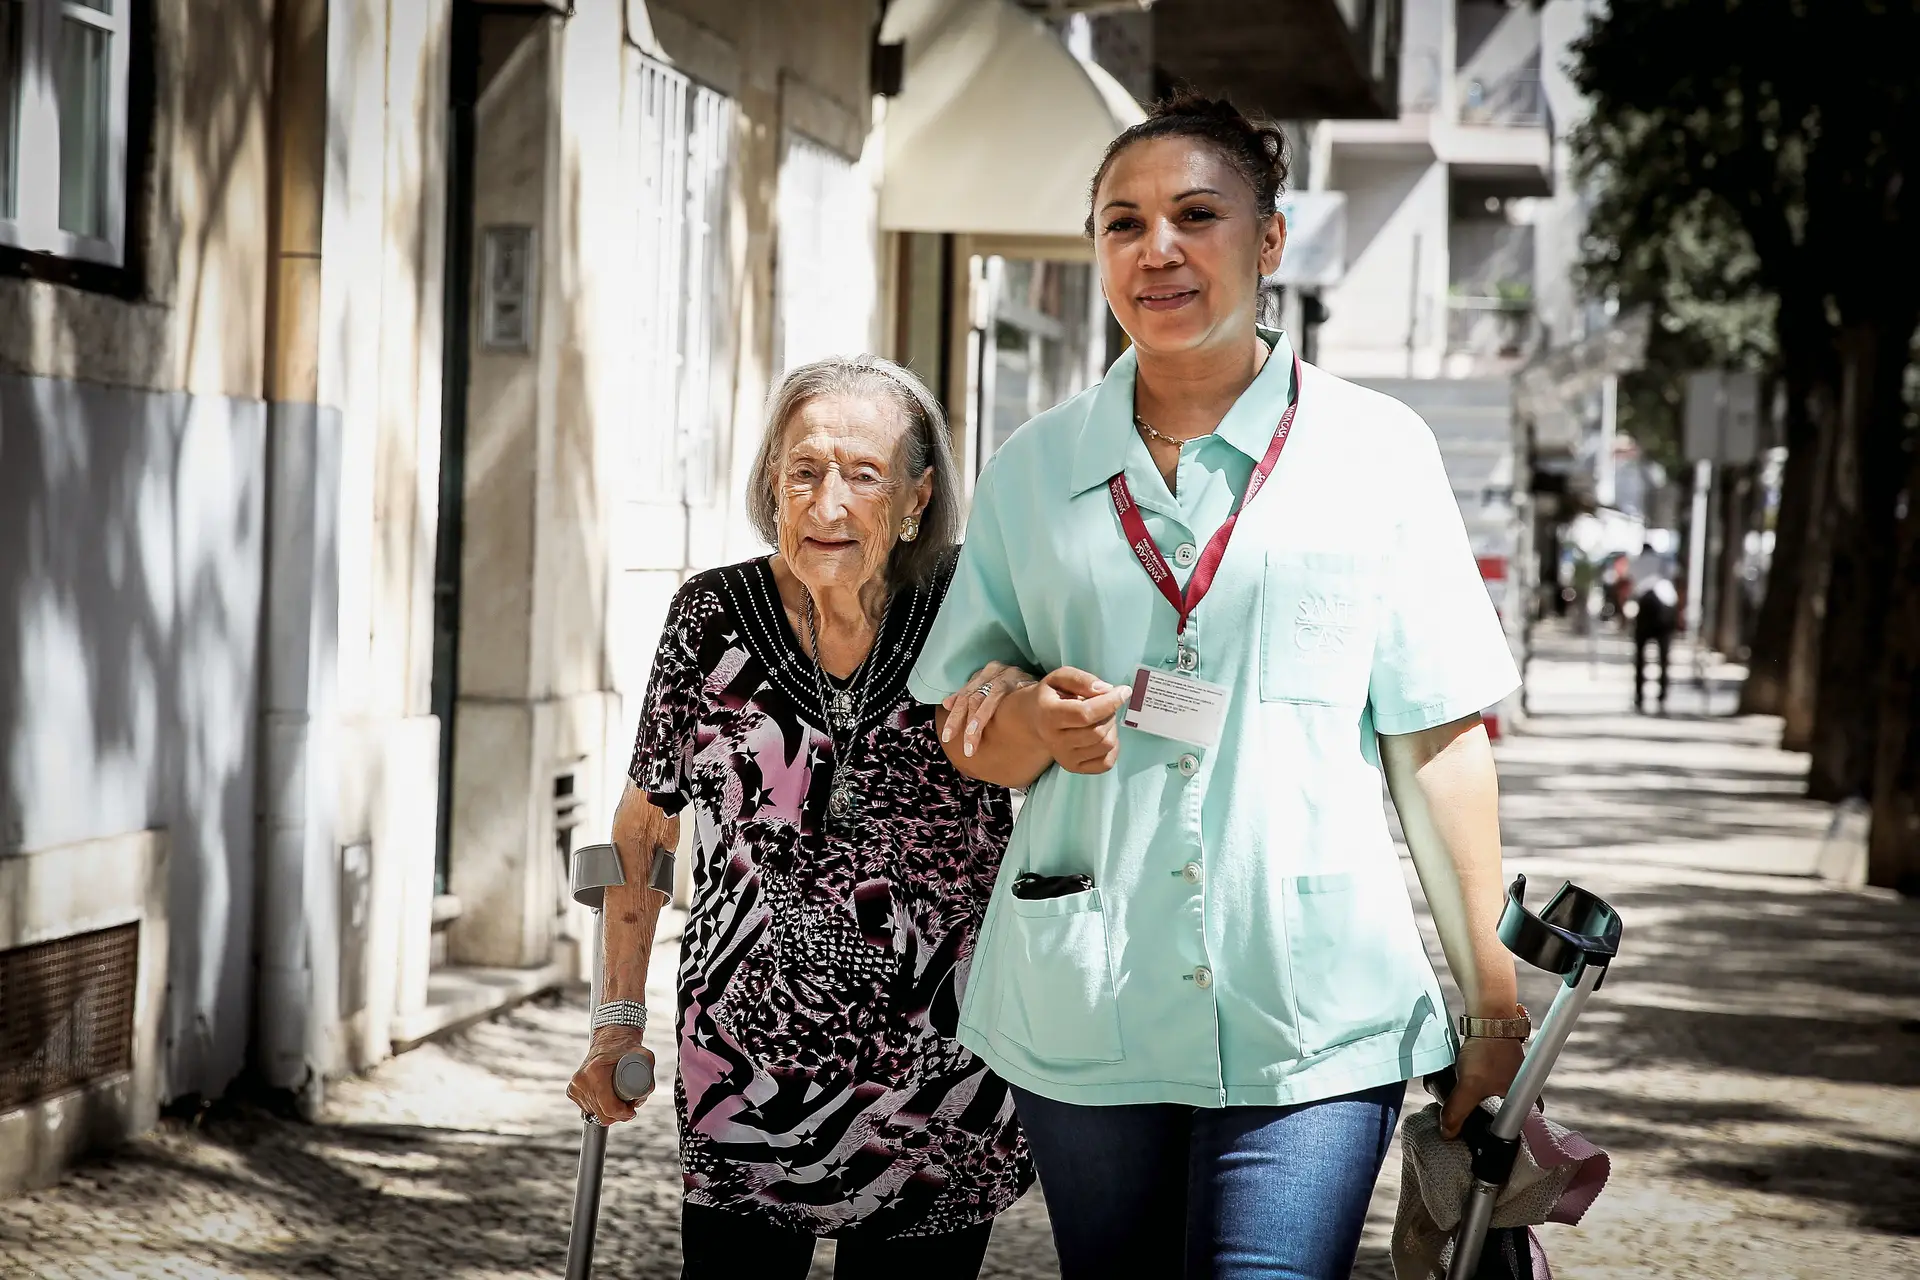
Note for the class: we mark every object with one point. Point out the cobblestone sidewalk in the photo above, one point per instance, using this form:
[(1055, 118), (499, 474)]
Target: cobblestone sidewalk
[(1754, 1067)]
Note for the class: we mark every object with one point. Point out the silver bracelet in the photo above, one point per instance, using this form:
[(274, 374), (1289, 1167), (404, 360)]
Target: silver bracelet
[(620, 1013)]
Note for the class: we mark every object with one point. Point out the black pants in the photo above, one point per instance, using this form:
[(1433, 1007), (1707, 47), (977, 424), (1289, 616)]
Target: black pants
[(717, 1245), (1653, 624)]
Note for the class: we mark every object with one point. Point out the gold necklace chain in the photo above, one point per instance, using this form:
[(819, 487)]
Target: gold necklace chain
[(1162, 436)]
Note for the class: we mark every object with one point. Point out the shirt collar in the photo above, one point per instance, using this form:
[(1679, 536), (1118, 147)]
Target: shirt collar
[(1107, 438)]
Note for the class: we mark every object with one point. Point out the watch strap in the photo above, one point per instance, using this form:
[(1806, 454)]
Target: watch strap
[(1519, 1028)]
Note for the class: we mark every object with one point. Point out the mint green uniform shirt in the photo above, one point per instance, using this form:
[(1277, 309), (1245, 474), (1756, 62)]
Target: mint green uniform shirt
[(1249, 938)]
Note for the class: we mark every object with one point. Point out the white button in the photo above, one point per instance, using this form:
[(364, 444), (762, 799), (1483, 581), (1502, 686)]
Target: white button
[(1188, 765), (1191, 873), (1203, 977), (1185, 554)]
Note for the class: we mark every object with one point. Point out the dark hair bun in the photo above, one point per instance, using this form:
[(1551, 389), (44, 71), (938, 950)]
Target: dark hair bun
[(1191, 102), (1257, 149)]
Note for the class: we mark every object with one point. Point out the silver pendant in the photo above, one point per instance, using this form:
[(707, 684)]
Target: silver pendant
[(840, 706), (840, 803)]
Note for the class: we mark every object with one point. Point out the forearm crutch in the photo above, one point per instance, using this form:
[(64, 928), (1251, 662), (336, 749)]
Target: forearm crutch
[(1577, 937), (596, 868)]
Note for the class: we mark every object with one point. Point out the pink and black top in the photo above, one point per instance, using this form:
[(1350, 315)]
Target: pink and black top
[(820, 1085)]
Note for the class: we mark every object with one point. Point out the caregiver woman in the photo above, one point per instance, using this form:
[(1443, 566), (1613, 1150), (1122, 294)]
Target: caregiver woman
[(1252, 594)]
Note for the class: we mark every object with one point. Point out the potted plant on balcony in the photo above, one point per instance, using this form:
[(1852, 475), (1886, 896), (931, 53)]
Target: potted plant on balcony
[(1515, 299)]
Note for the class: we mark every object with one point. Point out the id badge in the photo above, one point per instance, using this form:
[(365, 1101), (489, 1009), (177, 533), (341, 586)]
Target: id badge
[(1171, 705)]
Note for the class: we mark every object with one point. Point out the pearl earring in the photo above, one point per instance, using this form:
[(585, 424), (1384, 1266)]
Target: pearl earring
[(910, 528)]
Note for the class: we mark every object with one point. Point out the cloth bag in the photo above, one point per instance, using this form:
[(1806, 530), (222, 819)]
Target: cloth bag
[(1556, 1178)]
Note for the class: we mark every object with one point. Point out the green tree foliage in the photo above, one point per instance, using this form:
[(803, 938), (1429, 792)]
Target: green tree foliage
[(1752, 153)]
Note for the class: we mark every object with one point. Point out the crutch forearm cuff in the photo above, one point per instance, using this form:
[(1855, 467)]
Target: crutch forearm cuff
[(660, 876)]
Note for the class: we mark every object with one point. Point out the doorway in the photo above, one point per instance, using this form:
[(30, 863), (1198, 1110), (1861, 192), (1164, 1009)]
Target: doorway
[(455, 364)]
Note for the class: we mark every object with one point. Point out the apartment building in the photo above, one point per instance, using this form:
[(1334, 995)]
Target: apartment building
[(1462, 237)]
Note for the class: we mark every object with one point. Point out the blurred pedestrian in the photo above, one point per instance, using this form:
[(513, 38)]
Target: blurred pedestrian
[(842, 866), (1586, 594), (1200, 969), (1656, 617)]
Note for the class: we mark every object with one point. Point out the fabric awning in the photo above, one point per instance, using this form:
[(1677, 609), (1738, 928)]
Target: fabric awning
[(998, 127)]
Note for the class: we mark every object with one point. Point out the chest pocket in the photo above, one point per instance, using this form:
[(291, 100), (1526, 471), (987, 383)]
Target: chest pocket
[(1320, 614)]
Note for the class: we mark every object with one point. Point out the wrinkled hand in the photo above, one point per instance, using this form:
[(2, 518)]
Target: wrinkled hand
[(591, 1088), (976, 708), (1076, 717), (1484, 1069)]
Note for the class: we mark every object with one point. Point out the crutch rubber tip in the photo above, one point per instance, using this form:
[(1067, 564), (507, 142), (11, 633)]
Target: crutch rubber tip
[(632, 1077)]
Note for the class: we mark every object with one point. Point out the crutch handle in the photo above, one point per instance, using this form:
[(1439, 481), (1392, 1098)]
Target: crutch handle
[(1476, 1130), (632, 1077)]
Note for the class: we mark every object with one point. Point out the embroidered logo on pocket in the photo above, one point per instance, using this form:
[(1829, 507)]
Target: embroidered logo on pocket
[(1323, 627)]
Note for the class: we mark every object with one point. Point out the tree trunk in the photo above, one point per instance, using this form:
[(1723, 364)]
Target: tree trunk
[(1893, 848), (1868, 475), (1765, 690), (1808, 348), (1802, 689)]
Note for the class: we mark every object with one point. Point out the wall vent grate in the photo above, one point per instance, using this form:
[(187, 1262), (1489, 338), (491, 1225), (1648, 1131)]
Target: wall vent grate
[(66, 1013)]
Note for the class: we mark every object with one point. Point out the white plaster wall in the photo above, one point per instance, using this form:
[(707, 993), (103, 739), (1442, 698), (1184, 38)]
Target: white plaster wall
[(1426, 54), (800, 65), (383, 251), (567, 575), (1560, 220), (369, 746), (131, 532), (1397, 263), (544, 449)]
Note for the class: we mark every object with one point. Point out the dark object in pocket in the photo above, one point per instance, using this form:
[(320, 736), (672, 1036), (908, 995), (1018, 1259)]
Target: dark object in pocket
[(1031, 886)]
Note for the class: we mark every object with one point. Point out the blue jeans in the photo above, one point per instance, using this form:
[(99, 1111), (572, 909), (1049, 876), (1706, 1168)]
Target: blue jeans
[(1227, 1193)]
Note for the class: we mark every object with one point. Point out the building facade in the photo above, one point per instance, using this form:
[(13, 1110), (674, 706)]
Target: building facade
[(1462, 239)]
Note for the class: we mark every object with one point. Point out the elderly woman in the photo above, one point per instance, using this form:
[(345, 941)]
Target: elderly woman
[(842, 867)]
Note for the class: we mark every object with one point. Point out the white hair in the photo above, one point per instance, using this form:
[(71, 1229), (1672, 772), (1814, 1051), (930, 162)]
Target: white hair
[(926, 444)]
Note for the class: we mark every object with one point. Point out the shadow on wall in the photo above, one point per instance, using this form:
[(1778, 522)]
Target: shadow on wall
[(131, 534), (130, 543)]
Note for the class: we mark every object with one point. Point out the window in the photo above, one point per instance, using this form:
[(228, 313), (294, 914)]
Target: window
[(681, 318), (63, 127), (827, 285), (1043, 343)]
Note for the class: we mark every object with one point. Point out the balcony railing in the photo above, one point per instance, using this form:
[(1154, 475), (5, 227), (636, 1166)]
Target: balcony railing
[(1504, 328), (1516, 100)]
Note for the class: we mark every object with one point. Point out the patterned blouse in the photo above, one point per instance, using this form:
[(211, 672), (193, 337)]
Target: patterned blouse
[(820, 1085)]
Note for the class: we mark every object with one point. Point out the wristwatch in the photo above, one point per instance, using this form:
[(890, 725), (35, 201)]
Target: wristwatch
[(1494, 1028)]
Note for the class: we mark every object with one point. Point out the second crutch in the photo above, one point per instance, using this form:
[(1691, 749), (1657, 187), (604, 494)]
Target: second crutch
[(1576, 936), (596, 868)]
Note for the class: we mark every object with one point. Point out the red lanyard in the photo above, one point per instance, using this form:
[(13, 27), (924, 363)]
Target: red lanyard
[(1158, 570)]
